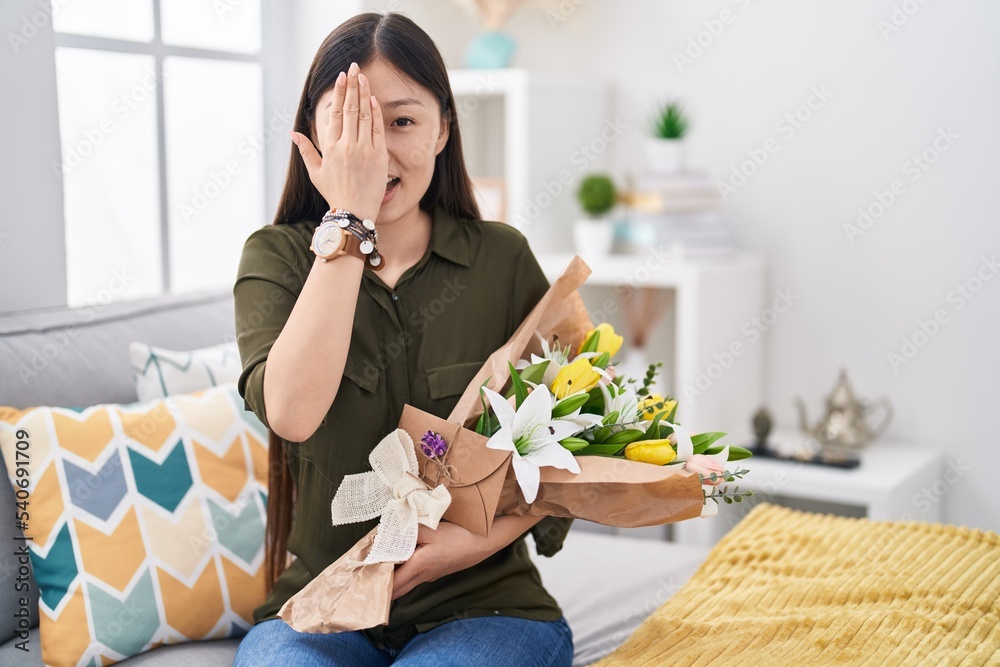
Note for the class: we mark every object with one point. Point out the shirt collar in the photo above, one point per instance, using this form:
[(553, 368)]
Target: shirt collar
[(450, 238)]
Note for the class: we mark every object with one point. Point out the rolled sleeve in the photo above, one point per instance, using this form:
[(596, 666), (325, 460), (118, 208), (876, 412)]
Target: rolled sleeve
[(530, 285), (264, 294)]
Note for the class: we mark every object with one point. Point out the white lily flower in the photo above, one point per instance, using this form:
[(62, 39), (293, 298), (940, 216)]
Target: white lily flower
[(557, 356), (533, 436), (624, 400)]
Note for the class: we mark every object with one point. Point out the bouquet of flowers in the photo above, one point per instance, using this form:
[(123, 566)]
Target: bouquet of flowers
[(544, 429)]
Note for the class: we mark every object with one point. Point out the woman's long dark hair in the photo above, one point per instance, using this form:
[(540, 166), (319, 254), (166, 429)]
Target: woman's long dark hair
[(361, 39)]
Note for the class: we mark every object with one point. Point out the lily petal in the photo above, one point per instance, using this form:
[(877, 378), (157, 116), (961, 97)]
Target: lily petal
[(501, 408), (685, 448), (535, 409), (502, 440), (527, 476), (555, 455), (722, 457)]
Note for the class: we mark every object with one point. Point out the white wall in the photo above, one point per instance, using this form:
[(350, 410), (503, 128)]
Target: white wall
[(32, 243), (888, 98)]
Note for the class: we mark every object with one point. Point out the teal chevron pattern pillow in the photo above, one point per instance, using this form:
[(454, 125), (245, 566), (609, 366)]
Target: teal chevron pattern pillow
[(159, 372), (145, 521)]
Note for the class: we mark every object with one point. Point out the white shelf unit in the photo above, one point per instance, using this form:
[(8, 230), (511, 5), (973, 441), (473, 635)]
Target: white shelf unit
[(713, 302), (895, 481), (529, 129)]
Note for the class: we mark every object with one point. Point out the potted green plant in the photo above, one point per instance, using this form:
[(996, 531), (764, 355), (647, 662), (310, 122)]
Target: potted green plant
[(594, 234), (665, 148)]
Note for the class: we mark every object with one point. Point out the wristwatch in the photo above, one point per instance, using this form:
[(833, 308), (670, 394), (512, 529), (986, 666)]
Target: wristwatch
[(343, 233)]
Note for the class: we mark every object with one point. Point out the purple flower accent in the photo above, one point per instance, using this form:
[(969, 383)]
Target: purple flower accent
[(433, 444)]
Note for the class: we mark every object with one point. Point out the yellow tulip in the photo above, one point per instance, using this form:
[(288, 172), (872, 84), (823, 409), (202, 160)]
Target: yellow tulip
[(575, 377), (649, 406), (658, 452), (608, 342)]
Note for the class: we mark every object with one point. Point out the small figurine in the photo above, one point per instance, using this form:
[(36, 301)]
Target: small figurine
[(761, 427)]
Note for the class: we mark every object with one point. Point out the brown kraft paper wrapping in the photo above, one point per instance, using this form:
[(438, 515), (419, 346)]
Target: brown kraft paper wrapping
[(613, 492), (347, 596)]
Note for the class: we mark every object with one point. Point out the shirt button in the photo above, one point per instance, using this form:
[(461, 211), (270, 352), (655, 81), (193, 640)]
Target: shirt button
[(395, 297)]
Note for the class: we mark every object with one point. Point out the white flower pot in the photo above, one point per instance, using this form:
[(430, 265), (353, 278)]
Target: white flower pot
[(593, 237), (665, 155)]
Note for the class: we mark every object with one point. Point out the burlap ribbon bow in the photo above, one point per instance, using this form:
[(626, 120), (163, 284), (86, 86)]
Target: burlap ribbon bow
[(393, 490)]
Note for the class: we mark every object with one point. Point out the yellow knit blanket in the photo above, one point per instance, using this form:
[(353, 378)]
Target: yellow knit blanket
[(794, 588)]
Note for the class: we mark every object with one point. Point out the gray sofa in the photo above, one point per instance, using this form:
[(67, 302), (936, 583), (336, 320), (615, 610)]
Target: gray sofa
[(78, 357)]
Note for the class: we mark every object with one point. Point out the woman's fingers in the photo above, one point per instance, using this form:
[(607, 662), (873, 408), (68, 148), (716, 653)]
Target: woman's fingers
[(336, 111), (309, 154), (378, 126), (351, 107), (364, 110)]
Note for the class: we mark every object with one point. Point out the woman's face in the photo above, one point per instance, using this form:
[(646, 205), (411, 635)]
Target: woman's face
[(415, 133)]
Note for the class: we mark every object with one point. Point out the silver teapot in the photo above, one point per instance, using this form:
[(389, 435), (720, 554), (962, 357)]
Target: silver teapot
[(846, 421)]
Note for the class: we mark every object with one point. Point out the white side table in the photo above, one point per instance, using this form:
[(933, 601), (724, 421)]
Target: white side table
[(895, 481)]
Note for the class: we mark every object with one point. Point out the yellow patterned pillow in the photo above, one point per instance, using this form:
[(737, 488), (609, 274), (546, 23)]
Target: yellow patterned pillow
[(145, 521)]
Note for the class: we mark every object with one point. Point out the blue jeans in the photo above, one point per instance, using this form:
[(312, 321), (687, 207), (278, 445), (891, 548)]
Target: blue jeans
[(496, 641)]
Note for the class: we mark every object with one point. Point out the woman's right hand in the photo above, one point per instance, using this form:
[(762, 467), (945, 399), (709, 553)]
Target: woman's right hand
[(352, 171)]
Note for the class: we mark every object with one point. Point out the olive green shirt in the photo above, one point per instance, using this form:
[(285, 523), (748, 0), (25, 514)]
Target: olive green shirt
[(419, 343)]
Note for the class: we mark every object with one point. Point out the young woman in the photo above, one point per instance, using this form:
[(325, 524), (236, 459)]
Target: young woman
[(333, 350)]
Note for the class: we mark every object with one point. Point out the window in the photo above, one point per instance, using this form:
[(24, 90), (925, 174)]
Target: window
[(161, 118)]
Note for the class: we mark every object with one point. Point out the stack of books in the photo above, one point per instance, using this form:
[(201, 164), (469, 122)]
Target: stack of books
[(680, 214)]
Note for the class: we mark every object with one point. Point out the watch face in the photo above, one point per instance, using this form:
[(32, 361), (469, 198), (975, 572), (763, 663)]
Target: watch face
[(327, 239)]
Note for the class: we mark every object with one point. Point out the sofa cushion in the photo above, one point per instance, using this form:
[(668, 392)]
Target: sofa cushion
[(79, 356), (146, 520), (160, 372)]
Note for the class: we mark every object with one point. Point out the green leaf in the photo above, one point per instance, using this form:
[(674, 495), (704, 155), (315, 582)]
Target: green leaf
[(483, 424), (624, 437), (735, 453), (596, 403), (567, 405), (601, 361), (702, 441), (653, 432), (591, 344), (574, 444), (599, 450), (533, 373), (520, 389), (611, 418)]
